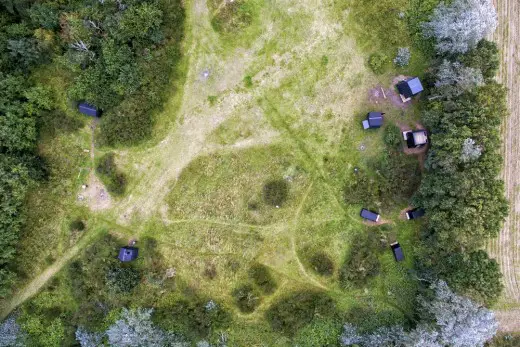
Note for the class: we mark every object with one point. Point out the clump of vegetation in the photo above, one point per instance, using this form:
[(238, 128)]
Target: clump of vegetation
[(114, 180), (276, 192), (292, 312), (247, 298), (320, 332), (232, 16), (392, 136), (362, 262), (322, 264), (378, 63), (122, 279), (77, 225), (261, 276), (403, 57), (248, 81)]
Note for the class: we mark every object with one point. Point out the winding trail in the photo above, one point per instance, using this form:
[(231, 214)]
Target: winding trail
[(506, 247)]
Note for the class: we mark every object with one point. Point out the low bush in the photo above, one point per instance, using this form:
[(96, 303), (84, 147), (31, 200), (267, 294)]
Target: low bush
[(321, 332), (362, 262), (322, 264), (77, 225), (233, 16), (194, 317), (291, 313), (378, 63), (247, 298), (114, 180), (392, 136), (276, 192), (261, 276), (121, 279), (361, 189)]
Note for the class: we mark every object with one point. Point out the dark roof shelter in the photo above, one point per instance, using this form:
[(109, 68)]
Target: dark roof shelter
[(397, 250), (416, 138), (415, 213), (374, 120), (128, 253), (369, 215), (410, 87), (88, 109)]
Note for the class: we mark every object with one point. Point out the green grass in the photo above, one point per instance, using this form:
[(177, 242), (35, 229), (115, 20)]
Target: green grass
[(309, 93)]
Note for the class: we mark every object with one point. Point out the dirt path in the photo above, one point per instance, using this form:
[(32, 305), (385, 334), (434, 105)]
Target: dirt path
[(37, 283), (506, 248)]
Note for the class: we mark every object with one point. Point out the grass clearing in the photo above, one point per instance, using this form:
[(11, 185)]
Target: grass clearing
[(195, 197)]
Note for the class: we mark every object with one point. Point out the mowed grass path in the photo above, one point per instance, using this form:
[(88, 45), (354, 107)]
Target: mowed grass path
[(198, 188)]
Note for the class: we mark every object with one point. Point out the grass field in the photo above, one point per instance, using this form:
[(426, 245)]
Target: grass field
[(277, 96)]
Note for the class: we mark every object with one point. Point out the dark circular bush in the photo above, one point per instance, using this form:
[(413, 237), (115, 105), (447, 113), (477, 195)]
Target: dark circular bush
[(262, 278), (246, 298), (276, 192), (77, 225), (322, 264)]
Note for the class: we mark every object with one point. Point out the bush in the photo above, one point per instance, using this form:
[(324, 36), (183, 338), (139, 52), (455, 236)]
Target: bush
[(378, 62), (403, 56), (246, 298), (361, 189), (262, 277), (77, 225), (291, 313), (122, 279), (114, 180), (321, 332), (362, 263), (233, 16), (392, 136), (195, 317), (276, 192), (322, 264), (483, 57)]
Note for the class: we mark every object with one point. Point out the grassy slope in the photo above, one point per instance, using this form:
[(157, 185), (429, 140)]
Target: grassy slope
[(309, 83)]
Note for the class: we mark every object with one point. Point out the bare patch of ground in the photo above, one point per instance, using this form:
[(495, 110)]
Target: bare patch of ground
[(402, 214), (506, 248), (380, 222), (380, 95), (95, 194)]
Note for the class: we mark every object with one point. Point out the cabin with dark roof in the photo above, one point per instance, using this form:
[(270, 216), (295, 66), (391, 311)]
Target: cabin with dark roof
[(88, 109), (409, 88), (374, 120), (415, 213), (398, 252), (415, 139), (127, 253), (369, 215)]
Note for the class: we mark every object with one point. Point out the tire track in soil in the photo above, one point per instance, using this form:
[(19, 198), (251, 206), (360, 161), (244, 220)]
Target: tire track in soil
[(506, 247)]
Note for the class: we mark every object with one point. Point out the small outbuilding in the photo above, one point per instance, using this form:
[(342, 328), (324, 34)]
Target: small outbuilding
[(374, 120), (128, 253), (88, 109), (409, 88), (369, 215), (416, 139), (415, 213), (397, 250)]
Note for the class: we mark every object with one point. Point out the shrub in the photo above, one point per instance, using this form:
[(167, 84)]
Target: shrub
[(246, 298), (262, 277), (392, 136), (403, 56), (122, 279), (362, 263), (114, 180), (248, 81), (77, 225), (233, 16), (483, 57), (276, 192), (290, 313), (378, 62), (322, 332), (322, 264)]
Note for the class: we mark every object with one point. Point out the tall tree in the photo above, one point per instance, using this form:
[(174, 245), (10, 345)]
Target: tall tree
[(459, 26)]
